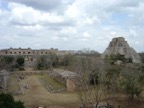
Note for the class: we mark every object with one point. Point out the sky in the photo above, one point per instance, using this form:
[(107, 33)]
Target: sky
[(71, 24)]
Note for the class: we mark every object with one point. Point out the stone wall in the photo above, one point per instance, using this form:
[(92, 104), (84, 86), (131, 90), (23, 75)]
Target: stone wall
[(70, 84), (65, 77)]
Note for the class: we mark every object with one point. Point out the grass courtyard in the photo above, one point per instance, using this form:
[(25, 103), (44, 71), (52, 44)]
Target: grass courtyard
[(37, 94)]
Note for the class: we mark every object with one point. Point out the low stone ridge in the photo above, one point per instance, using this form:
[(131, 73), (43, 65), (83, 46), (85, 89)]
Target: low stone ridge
[(119, 45), (4, 75)]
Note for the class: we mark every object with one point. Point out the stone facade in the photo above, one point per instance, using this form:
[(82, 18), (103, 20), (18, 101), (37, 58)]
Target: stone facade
[(28, 51), (31, 55), (119, 45), (33, 52)]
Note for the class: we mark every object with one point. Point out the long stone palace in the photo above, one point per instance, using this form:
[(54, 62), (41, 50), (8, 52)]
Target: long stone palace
[(29, 53)]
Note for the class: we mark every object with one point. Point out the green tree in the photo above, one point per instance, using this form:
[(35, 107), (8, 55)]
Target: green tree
[(7, 101), (8, 59), (7, 62), (131, 82), (112, 74), (42, 63), (20, 61), (115, 57), (141, 68), (66, 60), (47, 61), (53, 60)]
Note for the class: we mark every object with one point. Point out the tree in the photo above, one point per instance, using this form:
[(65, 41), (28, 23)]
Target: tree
[(66, 60), (47, 61), (113, 58), (90, 71), (7, 62), (141, 69), (7, 101), (112, 73), (42, 63), (53, 60), (8, 59), (131, 82), (20, 61)]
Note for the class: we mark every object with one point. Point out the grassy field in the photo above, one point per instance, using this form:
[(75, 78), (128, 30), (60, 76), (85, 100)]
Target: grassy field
[(13, 84), (36, 94)]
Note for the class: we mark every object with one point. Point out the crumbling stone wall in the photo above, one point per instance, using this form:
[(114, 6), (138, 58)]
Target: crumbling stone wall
[(70, 84), (65, 77)]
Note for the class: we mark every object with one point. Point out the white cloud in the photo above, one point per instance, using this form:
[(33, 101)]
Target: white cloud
[(86, 35), (27, 16), (36, 27), (73, 12), (23, 15), (86, 21), (68, 30), (132, 32), (55, 38), (51, 18), (71, 24), (113, 33)]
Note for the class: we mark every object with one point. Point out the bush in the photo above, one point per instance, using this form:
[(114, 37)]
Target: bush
[(20, 61), (8, 59), (7, 101)]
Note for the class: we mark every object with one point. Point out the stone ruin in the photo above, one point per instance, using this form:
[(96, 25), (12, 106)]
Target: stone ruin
[(65, 77), (4, 75), (119, 45)]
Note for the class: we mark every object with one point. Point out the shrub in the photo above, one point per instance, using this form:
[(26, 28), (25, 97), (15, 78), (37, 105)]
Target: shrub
[(7, 101)]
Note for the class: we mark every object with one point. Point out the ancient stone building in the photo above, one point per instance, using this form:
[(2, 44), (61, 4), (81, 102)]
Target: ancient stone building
[(119, 45), (33, 52), (28, 51), (31, 55)]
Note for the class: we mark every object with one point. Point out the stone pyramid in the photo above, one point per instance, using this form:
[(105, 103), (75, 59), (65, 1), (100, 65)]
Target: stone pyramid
[(119, 45)]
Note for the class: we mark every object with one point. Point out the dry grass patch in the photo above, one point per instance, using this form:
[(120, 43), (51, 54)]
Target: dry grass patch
[(51, 84), (36, 94)]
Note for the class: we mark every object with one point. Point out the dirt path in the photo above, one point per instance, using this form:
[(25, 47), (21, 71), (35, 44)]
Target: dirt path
[(36, 94)]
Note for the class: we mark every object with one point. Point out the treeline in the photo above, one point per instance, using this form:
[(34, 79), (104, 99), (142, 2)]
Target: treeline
[(108, 80), (12, 62), (52, 60)]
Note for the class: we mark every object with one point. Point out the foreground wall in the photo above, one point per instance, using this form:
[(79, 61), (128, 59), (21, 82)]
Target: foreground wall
[(65, 77)]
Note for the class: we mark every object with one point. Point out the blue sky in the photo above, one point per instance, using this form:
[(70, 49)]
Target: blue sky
[(71, 24)]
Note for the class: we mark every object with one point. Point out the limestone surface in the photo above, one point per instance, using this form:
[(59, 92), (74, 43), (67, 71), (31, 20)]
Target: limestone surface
[(4, 75)]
